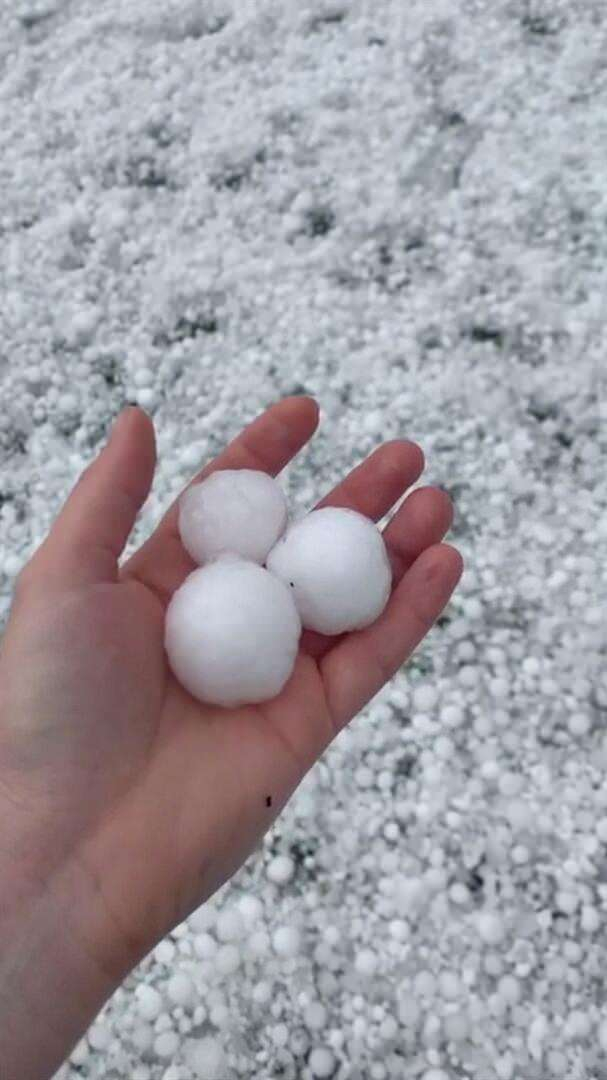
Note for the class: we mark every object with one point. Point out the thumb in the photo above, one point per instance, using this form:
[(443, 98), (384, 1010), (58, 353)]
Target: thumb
[(87, 538)]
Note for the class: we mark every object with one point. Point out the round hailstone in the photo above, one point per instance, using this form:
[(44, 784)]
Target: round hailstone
[(164, 952), (315, 1015), (449, 985), (142, 1037), (408, 1011), (579, 724), (227, 959), (258, 942), (166, 1044), (206, 1058), (286, 941), (262, 993), (231, 633), (173, 1073), (237, 510), (509, 989), (456, 1026), (219, 1016), (230, 925), (591, 919), (251, 908), (491, 927), (281, 869), (181, 989), (99, 1036), (149, 1002), (203, 918), (205, 946), (80, 1052), (280, 1035), (366, 962), (336, 564), (322, 1061)]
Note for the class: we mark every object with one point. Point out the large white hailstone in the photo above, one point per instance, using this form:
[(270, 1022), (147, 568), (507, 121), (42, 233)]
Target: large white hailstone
[(231, 633), (237, 510), (335, 562)]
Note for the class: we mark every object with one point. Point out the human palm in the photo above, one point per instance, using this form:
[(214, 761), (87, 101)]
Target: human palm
[(145, 800)]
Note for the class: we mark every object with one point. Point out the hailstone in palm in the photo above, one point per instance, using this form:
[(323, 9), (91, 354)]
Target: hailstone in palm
[(243, 511), (336, 564), (232, 633)]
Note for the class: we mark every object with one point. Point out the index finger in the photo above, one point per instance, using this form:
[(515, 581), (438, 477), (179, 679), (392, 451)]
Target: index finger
[(268, 443)]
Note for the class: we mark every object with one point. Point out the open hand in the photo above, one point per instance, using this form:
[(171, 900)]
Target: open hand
[(123, 797)]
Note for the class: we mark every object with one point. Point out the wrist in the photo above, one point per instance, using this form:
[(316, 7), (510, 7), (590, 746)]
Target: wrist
[(53, 978)]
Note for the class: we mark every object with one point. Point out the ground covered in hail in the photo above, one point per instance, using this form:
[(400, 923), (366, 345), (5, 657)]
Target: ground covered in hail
[(402, 209)]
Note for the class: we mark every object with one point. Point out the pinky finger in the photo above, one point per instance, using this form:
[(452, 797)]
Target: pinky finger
[(359, 665)]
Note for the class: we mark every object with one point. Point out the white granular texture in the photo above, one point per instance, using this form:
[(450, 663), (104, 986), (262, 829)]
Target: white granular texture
[(399, 208)]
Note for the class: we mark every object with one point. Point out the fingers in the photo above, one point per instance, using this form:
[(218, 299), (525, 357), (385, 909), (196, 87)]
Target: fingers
[(423, 519), (360, 663), (377, 483), (88, 535), (268, 444)]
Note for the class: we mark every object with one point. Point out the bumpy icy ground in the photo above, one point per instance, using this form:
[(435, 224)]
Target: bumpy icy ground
[(401, 208)]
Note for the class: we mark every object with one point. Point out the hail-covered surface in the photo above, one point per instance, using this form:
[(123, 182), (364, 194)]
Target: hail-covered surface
[(400, 208)]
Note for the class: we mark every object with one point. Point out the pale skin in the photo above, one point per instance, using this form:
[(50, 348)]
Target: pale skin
[(124, 802)]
